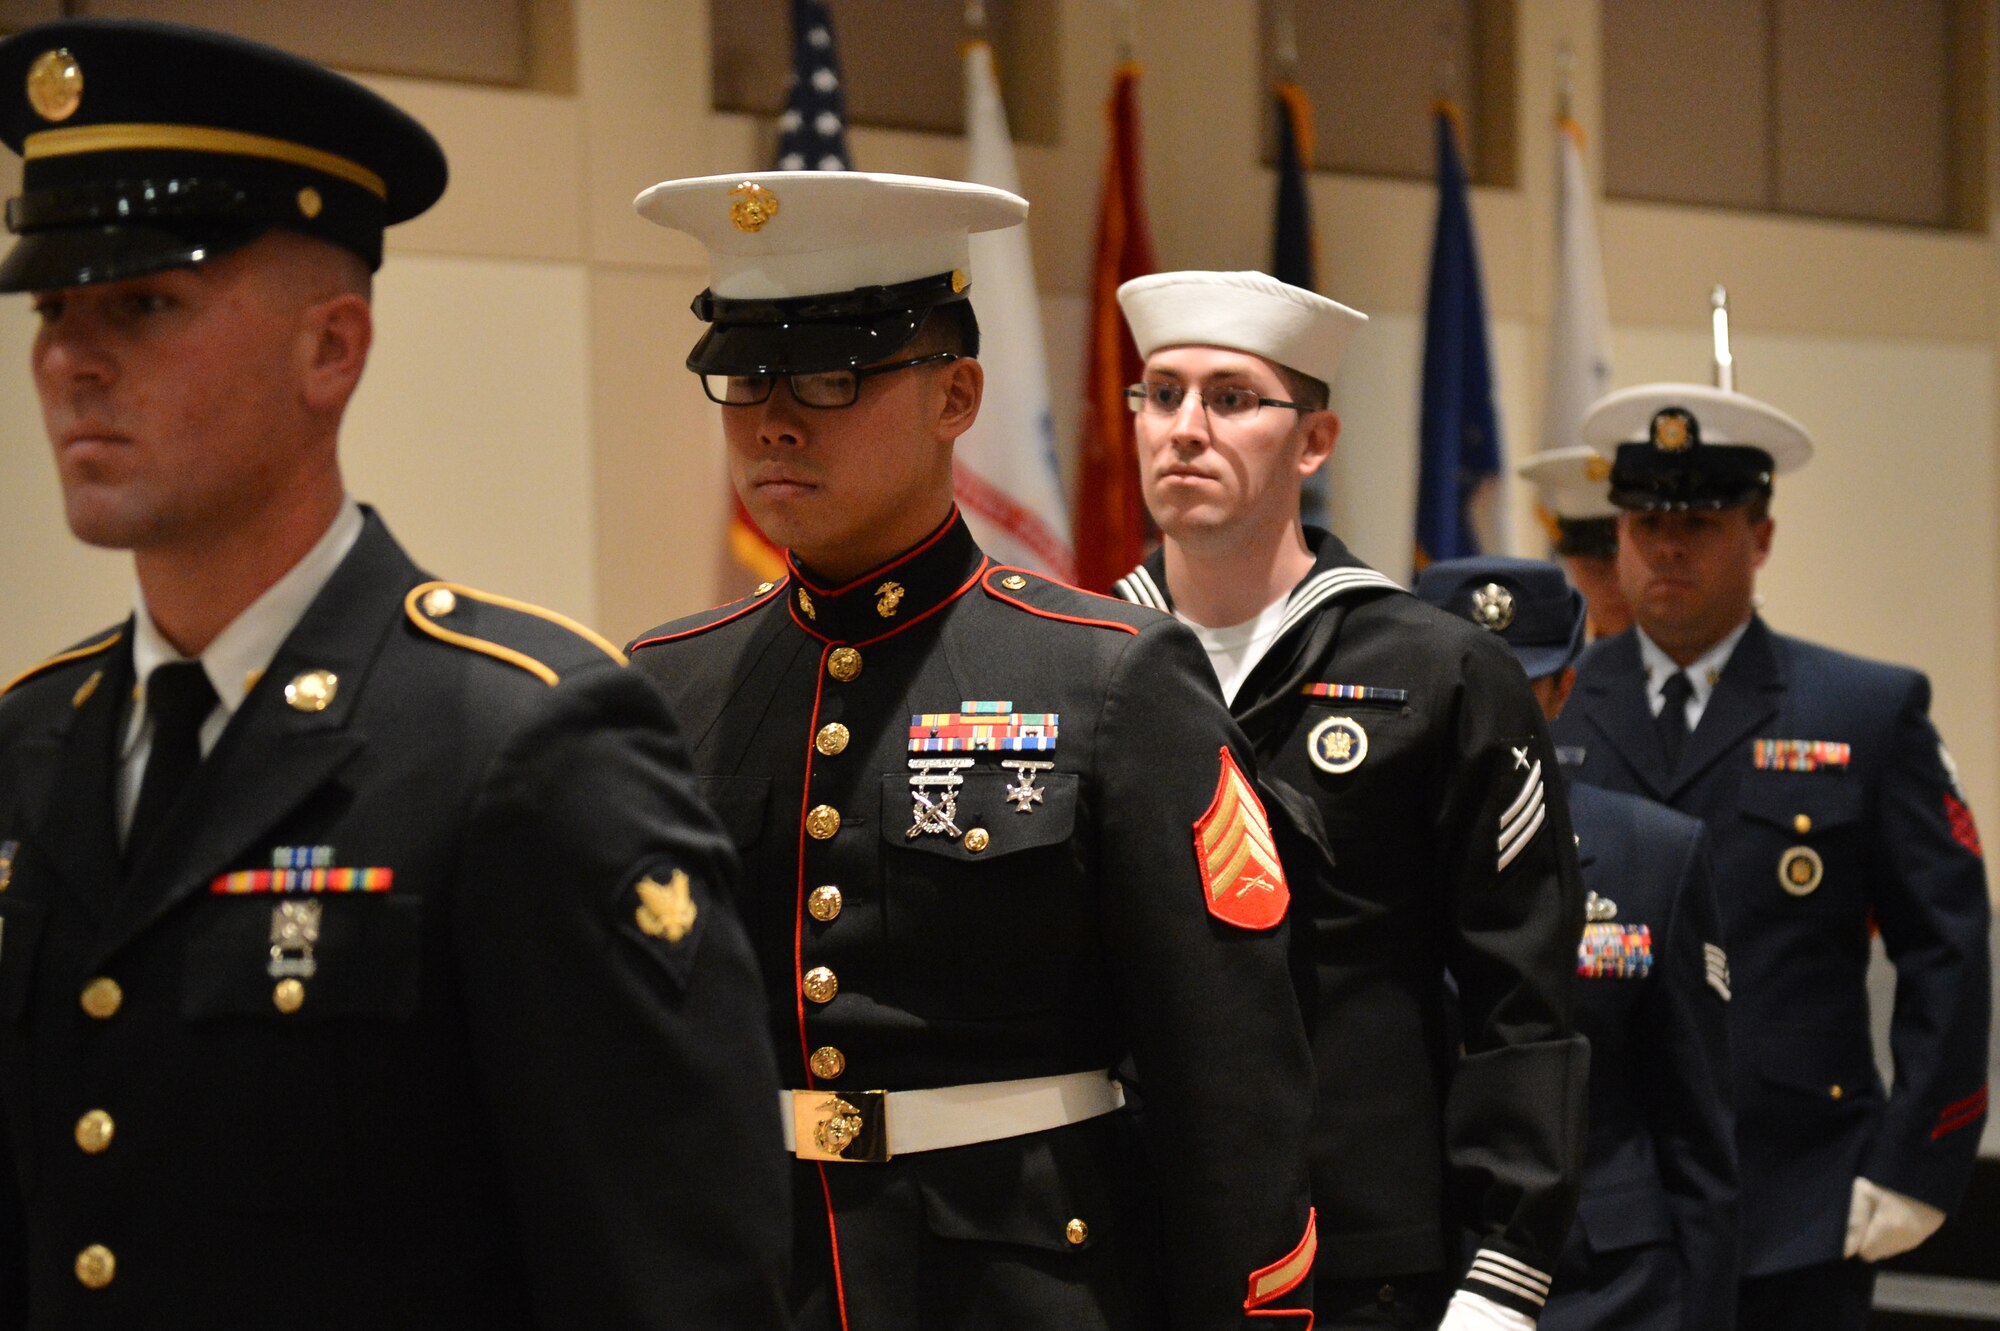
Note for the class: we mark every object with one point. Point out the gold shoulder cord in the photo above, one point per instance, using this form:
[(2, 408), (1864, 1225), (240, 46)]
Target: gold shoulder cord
[(77, 655), (412, 606)]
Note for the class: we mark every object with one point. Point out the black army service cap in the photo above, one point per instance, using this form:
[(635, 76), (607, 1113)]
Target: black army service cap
[(1528, 602), (1689, 446), (148, 146), (824, 270)]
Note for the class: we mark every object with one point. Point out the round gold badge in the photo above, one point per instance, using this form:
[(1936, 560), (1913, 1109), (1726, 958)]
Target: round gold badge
[(55, 85), (820, 984), (822, 821), (978, 839), (289, 996), (1596, 469), (844, 664), (1337, 745), (312, 691), (1670, 430), (832, 739), (824, 903), (1013, 582), (751, 207), (439, 602), (1800, 869), (828, 1062)]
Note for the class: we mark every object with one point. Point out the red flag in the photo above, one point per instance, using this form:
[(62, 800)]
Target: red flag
[(1111, 524)]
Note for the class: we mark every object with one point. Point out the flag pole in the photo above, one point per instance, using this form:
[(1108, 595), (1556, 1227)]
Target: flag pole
[(1725, 364)]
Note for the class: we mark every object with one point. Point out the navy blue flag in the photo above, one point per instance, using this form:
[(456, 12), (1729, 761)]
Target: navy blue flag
[(1459, 434), (813, 129), (1294, 255)]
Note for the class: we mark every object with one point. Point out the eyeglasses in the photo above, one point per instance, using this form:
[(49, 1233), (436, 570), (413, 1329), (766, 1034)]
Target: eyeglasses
[(823, 388), (1229, 402)]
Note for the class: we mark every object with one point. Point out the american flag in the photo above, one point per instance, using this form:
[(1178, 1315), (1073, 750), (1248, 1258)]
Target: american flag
[(813, 129)]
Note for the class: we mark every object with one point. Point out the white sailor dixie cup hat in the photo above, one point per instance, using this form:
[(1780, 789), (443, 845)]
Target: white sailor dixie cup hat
[(824, 270), (1298, 329), (1682, 446)]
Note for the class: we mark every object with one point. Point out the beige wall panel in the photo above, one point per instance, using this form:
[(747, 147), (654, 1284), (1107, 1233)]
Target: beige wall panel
[(472, 428), (1790, 275), (1375, 242), (52, 590), (663, 494), (517, 183), (1886, 543), (1687, 107)]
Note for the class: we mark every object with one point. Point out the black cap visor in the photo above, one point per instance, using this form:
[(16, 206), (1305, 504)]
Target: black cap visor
[(85, 256), (802, 347), (1587, 538), (1647, 479)]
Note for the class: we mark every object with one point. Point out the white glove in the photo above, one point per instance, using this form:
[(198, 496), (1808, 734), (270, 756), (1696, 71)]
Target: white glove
[(1882, 1222), (1470, 1312)]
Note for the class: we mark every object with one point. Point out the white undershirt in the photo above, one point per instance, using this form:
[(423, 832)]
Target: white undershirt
[(1702, 672), (1235, 649), (235, 660)]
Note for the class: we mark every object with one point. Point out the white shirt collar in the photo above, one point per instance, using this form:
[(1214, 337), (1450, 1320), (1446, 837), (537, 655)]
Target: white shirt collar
[(1703, 672), (239, 655), (1235, 649)]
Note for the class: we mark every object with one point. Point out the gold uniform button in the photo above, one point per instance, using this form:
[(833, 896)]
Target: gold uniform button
[(822, 821), (764, 588), (821, 985), (828, 1063), (1013, 582), (1802, 824), (95, 1266), (102, 998), (844, 664), (1834, 1092), (312, 691), (832, 738), (289, 996), (93, 1132), (824, 904), (439, 602), (1076, 1232), (977, 840)]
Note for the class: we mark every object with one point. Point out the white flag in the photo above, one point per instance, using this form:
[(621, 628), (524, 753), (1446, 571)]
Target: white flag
[(1006, 477), (1580, 340)]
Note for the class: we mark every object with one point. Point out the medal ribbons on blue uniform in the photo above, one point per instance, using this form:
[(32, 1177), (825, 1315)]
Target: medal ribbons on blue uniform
[(1615, 952), (1799, 755), (247, 882), (1355, 692), (981, 727)]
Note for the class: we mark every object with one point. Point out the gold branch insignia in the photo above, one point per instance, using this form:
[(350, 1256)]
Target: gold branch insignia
[(666, 912)]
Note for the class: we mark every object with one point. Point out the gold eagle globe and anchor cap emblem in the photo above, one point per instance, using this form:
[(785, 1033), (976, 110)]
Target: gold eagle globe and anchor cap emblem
[(751, 207)]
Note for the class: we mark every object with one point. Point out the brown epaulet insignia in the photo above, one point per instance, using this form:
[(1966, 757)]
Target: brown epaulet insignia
[(63, 658), (430, 602)]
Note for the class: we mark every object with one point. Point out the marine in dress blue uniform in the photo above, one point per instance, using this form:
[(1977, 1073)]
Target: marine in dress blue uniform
[(372, 963), (999, 836), (1833, 811), (1654, 1245), (1408, 745)]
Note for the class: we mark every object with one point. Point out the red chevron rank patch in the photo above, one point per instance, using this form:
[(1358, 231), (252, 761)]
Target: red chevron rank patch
[(1962, 827), (1238, 855)]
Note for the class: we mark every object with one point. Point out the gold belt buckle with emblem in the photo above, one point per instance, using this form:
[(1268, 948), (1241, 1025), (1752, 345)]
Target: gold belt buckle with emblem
[(849, 1127)]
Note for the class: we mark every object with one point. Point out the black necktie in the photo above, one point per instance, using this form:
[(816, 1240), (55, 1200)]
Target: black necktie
[(1672, 722), (178, 698)]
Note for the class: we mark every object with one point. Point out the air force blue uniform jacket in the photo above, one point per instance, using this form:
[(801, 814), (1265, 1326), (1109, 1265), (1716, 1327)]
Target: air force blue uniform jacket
[(1654, 1244), (1832, 810)]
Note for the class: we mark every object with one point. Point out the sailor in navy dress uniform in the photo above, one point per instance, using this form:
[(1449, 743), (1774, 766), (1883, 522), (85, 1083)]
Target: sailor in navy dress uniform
[(1654, 1246), (1410, 741), (1832, 810), (999, 835), (366, 955)]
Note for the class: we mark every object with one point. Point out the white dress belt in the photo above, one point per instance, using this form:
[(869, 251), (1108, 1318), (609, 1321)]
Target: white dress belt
[(850, 1126)]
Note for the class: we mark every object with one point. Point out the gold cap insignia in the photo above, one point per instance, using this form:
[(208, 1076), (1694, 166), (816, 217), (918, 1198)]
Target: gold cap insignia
[(666, 912), (312, 691), (751, 207), (1493, 607), (1670, 430), (887, 597), (55, 85), (959, 280), (1596, 469), (310, 203), (806, 604)]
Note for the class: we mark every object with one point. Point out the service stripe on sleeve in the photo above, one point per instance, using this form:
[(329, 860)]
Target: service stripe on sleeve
[(1505, 1273), (1284, 1275)]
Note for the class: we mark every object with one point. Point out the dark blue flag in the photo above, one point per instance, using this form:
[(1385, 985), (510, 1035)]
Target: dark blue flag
[(813, 129), (1294, 255), (1459, 435)]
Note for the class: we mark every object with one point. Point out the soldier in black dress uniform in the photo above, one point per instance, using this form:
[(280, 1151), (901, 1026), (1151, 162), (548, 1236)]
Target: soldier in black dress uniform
[(1654, 1244), (998, 835), (1412, 742), (366, 954), (1834, 811)]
